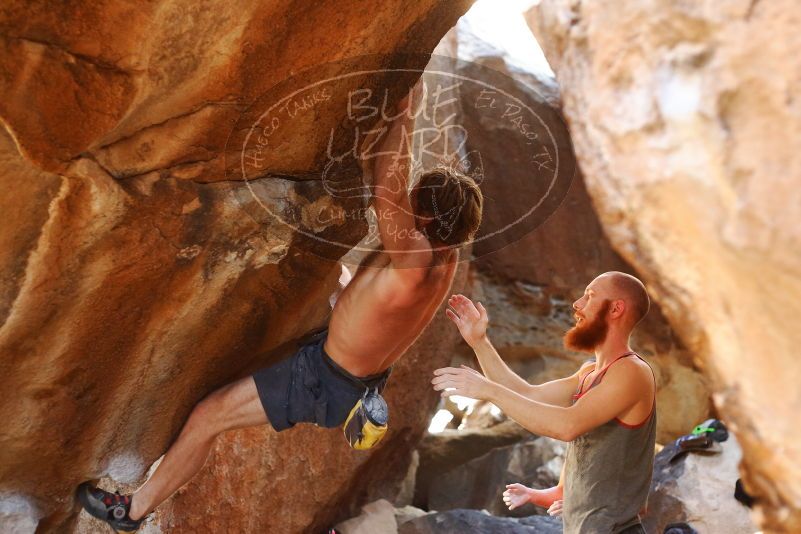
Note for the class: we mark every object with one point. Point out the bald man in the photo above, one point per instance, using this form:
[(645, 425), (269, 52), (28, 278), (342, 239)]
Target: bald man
[(606, 410)]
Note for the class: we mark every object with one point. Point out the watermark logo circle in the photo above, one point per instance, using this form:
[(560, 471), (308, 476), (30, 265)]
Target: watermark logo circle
[(293, 157)]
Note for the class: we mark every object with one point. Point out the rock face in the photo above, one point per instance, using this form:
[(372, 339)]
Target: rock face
[(441, 453), (686, 128), (137, 273), (699, 490), (480, 483)]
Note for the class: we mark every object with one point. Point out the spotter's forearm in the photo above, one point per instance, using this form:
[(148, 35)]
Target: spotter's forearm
[(496, 369), (536, 417)]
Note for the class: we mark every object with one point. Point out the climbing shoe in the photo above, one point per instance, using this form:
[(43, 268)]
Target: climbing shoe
[(112, 508)]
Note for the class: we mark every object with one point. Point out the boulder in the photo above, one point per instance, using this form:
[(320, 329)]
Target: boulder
[(110, 292), (139, 270), (461, 521), (140, 88), (698, 489), (380, 517), (408, 513), (479, 484), (440, 453), (687, 137), (376, 518)]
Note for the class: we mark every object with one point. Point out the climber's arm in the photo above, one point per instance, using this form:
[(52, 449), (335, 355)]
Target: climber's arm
[(409, 250), (345, 277)]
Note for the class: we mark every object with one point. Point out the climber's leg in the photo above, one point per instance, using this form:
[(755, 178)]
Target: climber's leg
[(236, 405)]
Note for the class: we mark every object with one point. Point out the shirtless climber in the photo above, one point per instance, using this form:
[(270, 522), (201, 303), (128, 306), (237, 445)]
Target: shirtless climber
[(375, 320), (606, 410)]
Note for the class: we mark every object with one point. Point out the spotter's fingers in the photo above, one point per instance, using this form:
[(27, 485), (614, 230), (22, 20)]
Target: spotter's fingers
[(466, 307), (447, 371), (470, 370), (441, 382)]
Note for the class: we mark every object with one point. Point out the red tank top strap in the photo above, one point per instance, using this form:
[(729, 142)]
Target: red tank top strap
[(578, 392), (603, 371), (600, 375), (581, 386)]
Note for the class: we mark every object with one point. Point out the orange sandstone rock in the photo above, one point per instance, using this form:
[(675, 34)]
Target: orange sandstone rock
[(686, 125), (136, 273)]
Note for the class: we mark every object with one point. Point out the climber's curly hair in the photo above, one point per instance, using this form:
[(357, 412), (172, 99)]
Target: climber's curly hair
[(454, 202)]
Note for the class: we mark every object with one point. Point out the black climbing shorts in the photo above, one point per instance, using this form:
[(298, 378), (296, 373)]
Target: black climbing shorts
[(309, 387)]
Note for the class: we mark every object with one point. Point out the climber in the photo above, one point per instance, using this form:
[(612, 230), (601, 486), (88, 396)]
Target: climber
[(376, 318), (606, 410)]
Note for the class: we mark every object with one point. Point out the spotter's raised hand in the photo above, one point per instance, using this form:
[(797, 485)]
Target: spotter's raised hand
[(462, 381), (471, 319)]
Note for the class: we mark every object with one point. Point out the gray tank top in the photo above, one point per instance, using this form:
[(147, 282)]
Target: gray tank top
[(608, 472)]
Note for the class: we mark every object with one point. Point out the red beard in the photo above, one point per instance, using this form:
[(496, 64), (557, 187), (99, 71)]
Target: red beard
[(587, 335)]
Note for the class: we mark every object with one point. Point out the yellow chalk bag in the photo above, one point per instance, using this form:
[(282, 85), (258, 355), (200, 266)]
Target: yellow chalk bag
[(367, 422)]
